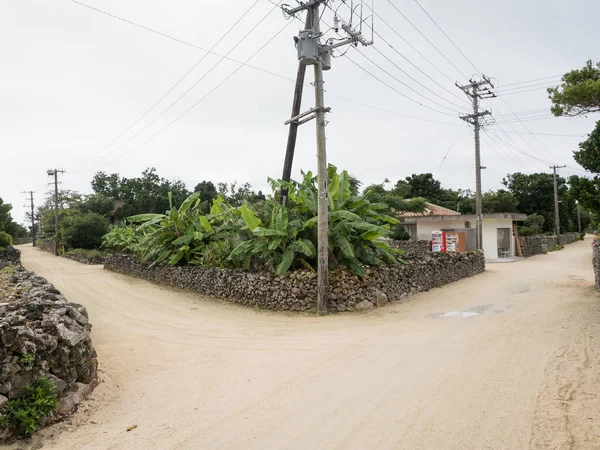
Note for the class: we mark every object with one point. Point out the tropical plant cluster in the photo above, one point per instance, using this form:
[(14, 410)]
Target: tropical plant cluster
[(264, 234)]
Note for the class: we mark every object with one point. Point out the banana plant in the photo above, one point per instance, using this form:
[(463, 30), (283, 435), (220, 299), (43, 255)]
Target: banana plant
[(277, 246)]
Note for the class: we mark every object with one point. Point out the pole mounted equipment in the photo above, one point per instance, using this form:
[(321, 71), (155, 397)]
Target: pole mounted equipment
[(313, 52), (476, 91)]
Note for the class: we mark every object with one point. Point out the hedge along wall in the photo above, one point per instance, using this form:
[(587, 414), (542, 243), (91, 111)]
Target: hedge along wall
[(535, 245), (596, 259), (297, 291)]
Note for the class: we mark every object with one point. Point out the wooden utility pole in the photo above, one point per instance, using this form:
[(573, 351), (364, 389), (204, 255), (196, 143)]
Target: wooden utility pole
[(293, 130), (556, 213), (323, 204), (311, 51), (475, 93), (55, 172), (33, 231)]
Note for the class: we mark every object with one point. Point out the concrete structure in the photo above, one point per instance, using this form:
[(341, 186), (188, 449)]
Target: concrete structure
[(498, 234)]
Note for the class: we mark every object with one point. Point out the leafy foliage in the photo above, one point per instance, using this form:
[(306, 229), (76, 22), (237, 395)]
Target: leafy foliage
[(264, 233), (83, 230), (7, 224), (579, 93), (5, 240), (27, 411)]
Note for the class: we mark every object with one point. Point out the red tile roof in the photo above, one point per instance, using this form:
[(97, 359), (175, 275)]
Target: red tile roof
[(430, 210)]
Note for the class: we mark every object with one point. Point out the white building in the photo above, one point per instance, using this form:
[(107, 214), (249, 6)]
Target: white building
[(498, 229)]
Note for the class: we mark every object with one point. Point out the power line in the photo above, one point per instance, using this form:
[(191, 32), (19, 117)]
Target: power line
[(201, 78), (447, 37), (504, 89), (531, 81), (408, 60), (547, 134), (450, 148), (205, 96), (418, 82), (181, 41), (173, 87), (524, 90), (396, 90), (427, 39)]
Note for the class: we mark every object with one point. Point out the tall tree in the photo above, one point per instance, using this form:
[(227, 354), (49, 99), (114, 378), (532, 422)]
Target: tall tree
[(535, 194), (579, 93)]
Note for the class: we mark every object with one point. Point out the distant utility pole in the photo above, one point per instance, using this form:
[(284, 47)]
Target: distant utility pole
[(55, 172), (578, 217), (476, 91), (33, 232), (312, 52), (556, 215)]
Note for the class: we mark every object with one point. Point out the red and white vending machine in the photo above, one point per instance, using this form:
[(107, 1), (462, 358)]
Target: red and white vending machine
[(444, 241), (438, 241)]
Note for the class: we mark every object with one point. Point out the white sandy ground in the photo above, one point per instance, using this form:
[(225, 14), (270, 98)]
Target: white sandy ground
[(191, 373)]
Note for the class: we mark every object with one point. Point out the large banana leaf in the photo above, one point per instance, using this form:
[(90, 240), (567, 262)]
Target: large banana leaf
[(250, 218)]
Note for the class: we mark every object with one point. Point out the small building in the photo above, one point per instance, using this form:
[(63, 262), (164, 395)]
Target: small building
[(498, 229)]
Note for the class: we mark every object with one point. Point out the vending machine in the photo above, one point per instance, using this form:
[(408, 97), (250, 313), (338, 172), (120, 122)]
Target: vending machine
[(444, 241), (438, 241)]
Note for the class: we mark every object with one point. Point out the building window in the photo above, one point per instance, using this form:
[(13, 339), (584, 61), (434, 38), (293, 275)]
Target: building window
[(467, 224)]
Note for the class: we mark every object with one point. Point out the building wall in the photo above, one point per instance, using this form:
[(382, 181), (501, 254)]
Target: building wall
[(490, 232)]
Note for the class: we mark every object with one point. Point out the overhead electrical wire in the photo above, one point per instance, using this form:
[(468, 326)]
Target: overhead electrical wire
[(426, 38), (139, 119), (450, 148), (506, 90), (418, 82), (531, 81), (375, 33), (448, 37), (201, 78), (205, 96), (396, 90)]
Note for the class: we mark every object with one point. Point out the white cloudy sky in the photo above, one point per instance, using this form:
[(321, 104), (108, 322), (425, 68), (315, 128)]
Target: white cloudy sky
[(74, 79)]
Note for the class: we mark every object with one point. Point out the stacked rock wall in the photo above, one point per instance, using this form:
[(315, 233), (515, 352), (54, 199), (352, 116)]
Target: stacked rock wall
[(535, 245), (413, 248), (42, 335), (297, 291)]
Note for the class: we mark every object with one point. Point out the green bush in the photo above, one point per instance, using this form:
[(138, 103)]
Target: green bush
[(83, 230), (265, 234), (525, 231), (536, 223), (5, 240), (27, 411), (556, 248), (92, 255)]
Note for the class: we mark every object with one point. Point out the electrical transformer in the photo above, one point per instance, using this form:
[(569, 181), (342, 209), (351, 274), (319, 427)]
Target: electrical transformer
[(325, 55), (308, 48)]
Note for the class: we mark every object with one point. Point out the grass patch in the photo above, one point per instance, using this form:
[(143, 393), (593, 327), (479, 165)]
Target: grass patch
[(556, 248)]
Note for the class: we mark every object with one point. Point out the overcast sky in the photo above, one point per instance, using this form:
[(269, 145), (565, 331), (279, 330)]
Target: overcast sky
[(74, 79)]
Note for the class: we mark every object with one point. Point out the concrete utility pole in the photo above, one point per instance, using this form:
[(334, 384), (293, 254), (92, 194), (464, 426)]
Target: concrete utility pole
[(33, 232), (556, 214), (55, 172), (578, 217), (475, 92), (312, 52)]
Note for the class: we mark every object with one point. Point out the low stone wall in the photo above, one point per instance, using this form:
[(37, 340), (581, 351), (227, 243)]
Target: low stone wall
[(413, 248), (22, 241), (535, 245), (10, 257), (46, 244), (596, 260), (297, 291), (85, 260), (42, 335)]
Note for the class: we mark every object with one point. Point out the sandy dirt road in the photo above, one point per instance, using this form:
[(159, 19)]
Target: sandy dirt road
[(521, 373)]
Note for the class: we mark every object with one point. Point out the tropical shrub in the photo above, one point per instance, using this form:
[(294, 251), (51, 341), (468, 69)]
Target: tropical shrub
[(525, 231), (83, 230), (5, 240), (266, 234)]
